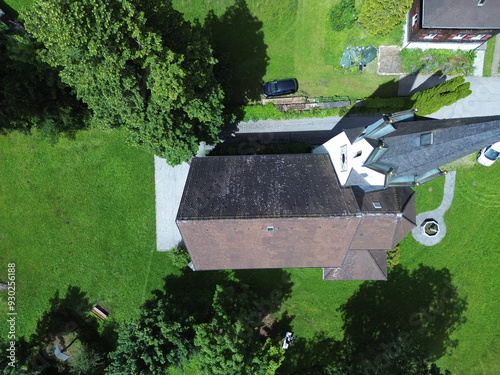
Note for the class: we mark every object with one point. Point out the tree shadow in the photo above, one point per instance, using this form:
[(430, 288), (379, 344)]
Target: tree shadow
[(68, 320), (389, 326), (238, 42), (420, 308)]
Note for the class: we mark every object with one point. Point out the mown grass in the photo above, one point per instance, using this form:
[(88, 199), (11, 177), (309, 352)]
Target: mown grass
[(488, 57), (301, 44), (469, 251), (80, 213)]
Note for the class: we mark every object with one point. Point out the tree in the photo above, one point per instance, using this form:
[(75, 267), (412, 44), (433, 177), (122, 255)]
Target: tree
[(32, 94), (230, 343), (381, 16), (159, 339), (136, 64), (446, 93)]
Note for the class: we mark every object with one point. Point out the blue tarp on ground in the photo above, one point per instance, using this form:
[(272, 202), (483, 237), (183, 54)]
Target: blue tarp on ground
[(358, 56)]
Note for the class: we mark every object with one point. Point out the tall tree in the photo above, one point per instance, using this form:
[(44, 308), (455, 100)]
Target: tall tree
[(136, 64), (32, 94)]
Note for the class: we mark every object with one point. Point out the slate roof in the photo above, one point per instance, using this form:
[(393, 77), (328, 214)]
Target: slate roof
[(264, 186), (460, 14), (452, 139)]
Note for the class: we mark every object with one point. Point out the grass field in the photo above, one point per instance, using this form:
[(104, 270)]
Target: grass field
[(488, 57), (300, 44), (79, 213)]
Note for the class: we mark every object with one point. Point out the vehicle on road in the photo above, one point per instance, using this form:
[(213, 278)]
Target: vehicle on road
[(489, 154), (278, 88)]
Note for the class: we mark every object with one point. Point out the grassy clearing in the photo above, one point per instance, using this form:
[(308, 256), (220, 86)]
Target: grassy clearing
[(301, 44), (488, 57), (78, 213)]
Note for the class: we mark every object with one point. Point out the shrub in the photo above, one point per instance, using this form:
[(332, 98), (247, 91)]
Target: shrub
[(381, 16), (180, 257), (393, 257), (343, 15), (438, 60), (432, 99), (270, 112)]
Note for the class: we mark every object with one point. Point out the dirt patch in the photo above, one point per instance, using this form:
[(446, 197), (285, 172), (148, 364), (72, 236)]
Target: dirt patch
[(389, 61)]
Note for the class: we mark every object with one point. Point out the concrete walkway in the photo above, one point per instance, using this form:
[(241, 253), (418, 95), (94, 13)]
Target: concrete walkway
[(437, 214)]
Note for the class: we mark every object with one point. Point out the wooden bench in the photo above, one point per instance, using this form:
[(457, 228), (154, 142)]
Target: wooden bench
[(100, 312)]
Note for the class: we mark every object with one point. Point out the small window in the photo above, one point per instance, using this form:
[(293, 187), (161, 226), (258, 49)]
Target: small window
[(358, 154), (426, 139), (459, 37), (478, 37), (430, 36), (480, 3), (377, 205), (270, 229)]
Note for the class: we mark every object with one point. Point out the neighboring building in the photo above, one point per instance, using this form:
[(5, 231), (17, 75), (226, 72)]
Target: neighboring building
[(405, 150), (340, 208), (453, 21)]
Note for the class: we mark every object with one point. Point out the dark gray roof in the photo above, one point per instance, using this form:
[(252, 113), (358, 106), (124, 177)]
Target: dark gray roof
[(452, 139), (264, 186), (461, 14)]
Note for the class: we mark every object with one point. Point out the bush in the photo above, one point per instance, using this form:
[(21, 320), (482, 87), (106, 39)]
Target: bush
[(393, 257), (431, 100), (343, 15), (270, 112), (438, 60), (180, 257), (379, 17)]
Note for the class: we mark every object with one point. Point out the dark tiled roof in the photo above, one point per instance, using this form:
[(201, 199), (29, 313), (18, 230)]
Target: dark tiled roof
[(461, 14), (264, 186), (360, 265), (452, 139), (391, 200)]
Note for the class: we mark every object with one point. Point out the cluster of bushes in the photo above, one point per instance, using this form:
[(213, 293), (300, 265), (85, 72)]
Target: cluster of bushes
[(270, 112), (438, 60), (343, 15)]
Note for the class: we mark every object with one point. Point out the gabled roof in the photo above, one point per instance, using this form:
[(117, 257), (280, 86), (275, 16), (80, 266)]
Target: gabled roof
[(451, 139), (223, 229), (360, 265), (460, 14), (264, 186)]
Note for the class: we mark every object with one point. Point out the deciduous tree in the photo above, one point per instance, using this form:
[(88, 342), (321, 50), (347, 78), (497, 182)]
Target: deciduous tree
[(136, 64)]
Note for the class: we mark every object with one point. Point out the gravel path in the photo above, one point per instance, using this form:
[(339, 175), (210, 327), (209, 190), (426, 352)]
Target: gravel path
[(437, 214)]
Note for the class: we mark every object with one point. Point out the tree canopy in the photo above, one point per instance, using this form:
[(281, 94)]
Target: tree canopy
[(136, 64), (381, 16)]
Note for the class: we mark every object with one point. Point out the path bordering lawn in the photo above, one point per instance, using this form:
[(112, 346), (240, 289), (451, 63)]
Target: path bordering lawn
[(437, 214)]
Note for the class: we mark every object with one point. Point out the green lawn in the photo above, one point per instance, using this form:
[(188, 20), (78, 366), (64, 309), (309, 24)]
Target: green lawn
[(300, 44), (469, 251), (78, 213), (488, 57)]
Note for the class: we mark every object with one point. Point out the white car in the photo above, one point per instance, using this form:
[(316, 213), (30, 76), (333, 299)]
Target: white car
[(489, 154)]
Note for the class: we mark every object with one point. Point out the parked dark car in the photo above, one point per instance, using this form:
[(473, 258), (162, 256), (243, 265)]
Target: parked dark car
[(277, 88)]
